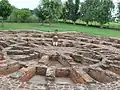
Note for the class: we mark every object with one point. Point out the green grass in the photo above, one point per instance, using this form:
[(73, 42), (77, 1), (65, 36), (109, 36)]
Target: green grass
[(62, 27)]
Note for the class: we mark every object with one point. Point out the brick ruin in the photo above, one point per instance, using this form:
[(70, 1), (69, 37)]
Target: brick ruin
[(29, 61)]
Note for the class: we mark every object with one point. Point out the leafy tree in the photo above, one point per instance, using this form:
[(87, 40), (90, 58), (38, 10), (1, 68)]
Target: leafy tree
[(118, 12), (72, 9), (5, 10), (39, 13), (96, 10), (104, 11), (87, 11), (64, 14), (49, 11), (20, 15), (33, 19), (24, 14), (52, 10)]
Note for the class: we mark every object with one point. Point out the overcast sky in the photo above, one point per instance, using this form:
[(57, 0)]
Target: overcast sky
[(31, 3)]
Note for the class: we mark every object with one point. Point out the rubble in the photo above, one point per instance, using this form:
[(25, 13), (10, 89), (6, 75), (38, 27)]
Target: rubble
[(89, 62)]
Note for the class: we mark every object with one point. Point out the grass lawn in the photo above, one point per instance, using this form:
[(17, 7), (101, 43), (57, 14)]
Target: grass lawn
[(61, 27)]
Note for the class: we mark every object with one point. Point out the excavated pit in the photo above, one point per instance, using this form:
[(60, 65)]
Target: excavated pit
[(30, 57)]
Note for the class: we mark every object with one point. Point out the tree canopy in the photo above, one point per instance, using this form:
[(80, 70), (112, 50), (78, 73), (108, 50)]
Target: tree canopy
[(96, 10), (72, 9), (5, 8), (49, 10), (20, 15)]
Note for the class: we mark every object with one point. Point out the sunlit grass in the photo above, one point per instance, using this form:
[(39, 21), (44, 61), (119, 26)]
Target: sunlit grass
[(61, 27)]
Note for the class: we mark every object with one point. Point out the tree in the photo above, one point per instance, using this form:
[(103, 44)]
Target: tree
[(118, 12), (96, 10), (5, 10), (24, 14), (104, 11), (64, 14), (20, 15), (33, 19), (72, 9), (87, 11), (52, 10), (39, 13), (49, 11)]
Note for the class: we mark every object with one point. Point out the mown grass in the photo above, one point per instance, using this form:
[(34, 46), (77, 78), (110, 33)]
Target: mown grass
[(61, 27)]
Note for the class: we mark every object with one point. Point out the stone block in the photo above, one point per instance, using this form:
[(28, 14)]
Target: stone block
[(50, 74), (2, 61), (7, 69), (29, 73), (44, 60), (41, 70), (62, 72), (76, 77), (114, 69)]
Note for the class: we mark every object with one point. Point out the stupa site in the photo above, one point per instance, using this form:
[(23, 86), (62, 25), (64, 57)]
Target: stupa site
[(30, 61)]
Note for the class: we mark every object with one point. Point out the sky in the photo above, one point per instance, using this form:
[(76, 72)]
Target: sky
[(31, 4)]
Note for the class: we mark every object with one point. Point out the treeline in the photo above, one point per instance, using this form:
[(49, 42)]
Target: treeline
[(10, 13), (49, 11), (99, 11)]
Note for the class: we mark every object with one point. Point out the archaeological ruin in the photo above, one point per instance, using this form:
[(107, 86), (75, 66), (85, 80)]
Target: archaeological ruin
[(29, 61)]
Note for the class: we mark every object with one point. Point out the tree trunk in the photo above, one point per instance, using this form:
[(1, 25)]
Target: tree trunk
[(74, 23), (42, 23), (108, 24), (87, 24), (57, 21), (2, 23), (101, 25), (64, 20), (50, 23), (95, 23), (79, 21)]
